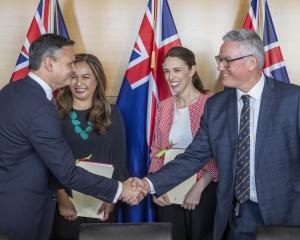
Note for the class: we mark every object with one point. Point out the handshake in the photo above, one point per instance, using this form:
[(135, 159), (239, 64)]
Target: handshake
[(134, 190)]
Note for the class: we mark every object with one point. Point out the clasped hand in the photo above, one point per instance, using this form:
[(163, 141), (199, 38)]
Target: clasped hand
[(134, 190)]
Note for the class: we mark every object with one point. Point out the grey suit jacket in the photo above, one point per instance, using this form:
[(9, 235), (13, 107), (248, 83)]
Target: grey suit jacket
[(277, 154)]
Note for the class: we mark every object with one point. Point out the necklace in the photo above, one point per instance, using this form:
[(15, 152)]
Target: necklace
[(83, 133)]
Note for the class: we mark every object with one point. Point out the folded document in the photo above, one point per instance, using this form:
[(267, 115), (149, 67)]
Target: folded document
[(177, 194), (88, 206)]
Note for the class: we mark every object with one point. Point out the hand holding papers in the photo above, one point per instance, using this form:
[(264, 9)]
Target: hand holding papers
[(162, 200), (65, 206), (88, 206), (105, 210), (177, 194)]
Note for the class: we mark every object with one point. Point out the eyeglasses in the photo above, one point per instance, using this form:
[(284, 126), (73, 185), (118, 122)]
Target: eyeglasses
[(226, 62)]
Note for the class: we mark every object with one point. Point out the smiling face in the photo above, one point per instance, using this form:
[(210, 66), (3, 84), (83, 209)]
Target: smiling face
[(238, 74), (83, 84), (178, 74)]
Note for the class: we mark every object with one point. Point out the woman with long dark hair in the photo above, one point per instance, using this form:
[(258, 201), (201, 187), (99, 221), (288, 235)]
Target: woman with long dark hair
[(176, 123), (94, 130)]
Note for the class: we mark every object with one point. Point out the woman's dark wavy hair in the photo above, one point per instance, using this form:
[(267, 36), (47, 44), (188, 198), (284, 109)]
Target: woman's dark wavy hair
[(99, 113), (188, 57)]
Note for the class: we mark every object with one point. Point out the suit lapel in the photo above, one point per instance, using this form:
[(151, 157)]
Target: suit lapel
[(231, 116), (266, 104), (232, 122)]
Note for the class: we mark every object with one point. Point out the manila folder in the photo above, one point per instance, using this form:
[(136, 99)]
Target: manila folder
[(88, 206), (178, 193)]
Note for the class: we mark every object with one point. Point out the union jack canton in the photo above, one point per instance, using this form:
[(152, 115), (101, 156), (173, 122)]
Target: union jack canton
[(47, 19), (259, 19)]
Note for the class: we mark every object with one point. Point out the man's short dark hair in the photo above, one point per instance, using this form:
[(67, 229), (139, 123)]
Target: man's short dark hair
[(46, 45)]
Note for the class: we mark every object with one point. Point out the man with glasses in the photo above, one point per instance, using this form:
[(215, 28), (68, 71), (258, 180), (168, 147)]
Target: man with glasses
[(226, 61), (252, 130)]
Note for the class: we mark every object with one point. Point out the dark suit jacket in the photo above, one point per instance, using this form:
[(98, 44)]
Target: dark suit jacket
[(33, 153), (277, 154)]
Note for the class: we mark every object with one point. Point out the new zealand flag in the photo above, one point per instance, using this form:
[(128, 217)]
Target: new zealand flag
[(144, 85), (47, 19), (259, 19)]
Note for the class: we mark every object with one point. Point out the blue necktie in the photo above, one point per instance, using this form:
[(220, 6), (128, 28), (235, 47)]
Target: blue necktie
[(242, 182)]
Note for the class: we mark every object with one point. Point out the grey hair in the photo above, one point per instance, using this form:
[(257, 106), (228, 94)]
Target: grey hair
[(250, 43)]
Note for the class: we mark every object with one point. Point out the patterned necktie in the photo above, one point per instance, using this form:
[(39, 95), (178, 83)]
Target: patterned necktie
[(242, 182)]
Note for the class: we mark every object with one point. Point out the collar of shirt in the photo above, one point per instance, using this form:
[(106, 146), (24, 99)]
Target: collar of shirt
[(47, 89), (255, 92)]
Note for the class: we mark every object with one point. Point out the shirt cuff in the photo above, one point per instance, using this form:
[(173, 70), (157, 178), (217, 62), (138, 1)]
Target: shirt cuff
[(119, 191), (152, 190)]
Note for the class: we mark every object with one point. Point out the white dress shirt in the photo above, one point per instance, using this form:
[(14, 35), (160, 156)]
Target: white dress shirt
[(255, 99)]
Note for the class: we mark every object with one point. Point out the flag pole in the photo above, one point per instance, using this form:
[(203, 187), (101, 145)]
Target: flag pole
[(56, 16), (153, 57), (261, 18)]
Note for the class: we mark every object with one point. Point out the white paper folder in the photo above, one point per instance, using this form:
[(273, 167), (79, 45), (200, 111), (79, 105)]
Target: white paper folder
[(88, 206), (177, 194)]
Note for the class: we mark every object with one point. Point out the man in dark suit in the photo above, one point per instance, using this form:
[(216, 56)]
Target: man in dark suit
[(252, 130), (33, 152)]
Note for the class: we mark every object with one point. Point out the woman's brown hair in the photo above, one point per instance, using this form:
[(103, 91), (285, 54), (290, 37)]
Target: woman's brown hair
[(188, 57), (99, 113)]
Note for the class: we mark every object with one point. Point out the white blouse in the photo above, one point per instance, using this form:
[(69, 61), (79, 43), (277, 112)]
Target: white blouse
[(181, 132)]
